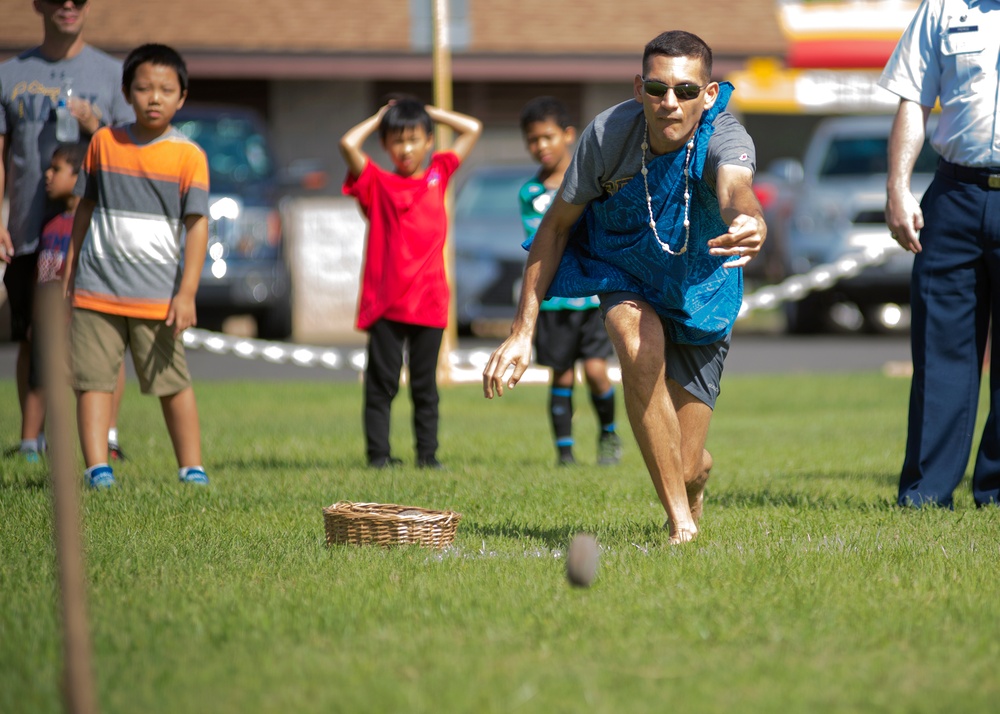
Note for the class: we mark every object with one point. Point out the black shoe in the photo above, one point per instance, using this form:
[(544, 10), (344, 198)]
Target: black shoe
[(115, 452), (566, 460), (429, 463), (609, 449), (384, 462)]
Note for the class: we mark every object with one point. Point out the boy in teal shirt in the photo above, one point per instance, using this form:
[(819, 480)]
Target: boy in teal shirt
[(569, 329)]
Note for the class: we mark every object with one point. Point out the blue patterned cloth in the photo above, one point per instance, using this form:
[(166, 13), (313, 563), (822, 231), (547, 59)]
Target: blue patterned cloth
[(612, 248)]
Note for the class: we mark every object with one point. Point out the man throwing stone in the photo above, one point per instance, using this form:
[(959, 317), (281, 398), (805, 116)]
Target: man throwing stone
[(656, 215)]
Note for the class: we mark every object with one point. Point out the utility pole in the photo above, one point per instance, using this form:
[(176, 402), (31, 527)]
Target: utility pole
[(441, 61)]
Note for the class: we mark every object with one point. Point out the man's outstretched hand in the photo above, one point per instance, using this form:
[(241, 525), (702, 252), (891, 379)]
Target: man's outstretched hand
[(514, 352)]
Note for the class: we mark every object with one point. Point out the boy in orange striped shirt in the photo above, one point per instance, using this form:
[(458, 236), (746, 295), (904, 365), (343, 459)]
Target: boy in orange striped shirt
[(143, 206)]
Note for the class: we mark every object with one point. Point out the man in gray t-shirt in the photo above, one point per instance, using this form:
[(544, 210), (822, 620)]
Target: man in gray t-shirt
[(29, 90), (612, 151), (30, 85), (657, 214)]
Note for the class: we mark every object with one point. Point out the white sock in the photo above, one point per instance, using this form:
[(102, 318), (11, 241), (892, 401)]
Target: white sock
[(182, 472), (113, 435), (29, 445), (95, 466), (43, 445)]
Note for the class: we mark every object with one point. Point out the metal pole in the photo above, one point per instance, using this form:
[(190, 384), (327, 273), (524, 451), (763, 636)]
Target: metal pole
[(441, 61), (78, 684)]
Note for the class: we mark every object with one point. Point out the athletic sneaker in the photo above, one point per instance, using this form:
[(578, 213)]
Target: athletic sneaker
[(115, 452), (100, 477), (193, 474), (566, 460), (609, 449), (430, 462), (31, 456)]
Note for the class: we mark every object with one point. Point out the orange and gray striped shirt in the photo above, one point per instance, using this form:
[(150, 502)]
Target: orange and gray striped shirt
[(130, 261)]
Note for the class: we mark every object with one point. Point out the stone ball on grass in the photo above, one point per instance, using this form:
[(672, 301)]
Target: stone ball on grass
[(581, 560)]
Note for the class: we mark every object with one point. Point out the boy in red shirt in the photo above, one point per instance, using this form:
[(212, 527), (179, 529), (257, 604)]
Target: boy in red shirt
[(60, 180), (404, 288)]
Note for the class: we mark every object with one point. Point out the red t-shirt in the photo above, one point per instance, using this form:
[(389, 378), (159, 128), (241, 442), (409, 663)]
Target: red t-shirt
[(404, 275)]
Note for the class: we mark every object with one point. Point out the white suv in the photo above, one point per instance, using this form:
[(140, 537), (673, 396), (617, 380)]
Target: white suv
[(838, 208)]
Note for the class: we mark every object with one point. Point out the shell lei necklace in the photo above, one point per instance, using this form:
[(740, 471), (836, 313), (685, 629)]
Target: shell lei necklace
[(687, 195)]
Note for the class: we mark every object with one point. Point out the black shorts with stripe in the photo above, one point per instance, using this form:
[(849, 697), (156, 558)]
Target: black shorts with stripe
[(564, 336)]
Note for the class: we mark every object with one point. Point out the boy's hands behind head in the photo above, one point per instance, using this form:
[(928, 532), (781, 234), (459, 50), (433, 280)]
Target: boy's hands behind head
[(181, 313)]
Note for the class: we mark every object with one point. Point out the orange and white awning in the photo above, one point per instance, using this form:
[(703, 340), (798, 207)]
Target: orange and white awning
[(836, 51)]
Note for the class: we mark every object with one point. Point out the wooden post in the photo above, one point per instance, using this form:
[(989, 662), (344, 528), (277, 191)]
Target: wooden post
[(78, 684), (441, 61)]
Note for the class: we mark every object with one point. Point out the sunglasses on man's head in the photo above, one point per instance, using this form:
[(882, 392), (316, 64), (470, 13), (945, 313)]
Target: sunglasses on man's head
[(683, 92), (78, 3)]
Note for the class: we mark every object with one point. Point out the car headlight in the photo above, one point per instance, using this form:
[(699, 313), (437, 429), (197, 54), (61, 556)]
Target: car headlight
[(241, 232)]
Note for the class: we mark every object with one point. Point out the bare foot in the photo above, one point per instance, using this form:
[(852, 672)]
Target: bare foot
[(696, 501), (683, 535)]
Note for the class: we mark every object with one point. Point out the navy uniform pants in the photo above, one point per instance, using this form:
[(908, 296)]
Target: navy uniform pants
[(955, 289)]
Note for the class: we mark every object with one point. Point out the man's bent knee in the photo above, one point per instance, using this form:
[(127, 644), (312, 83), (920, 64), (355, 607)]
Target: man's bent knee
[(635, 331)]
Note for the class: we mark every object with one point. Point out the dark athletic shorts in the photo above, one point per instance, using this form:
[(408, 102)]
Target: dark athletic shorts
[(20, 279), (564, 336), (697, 368)]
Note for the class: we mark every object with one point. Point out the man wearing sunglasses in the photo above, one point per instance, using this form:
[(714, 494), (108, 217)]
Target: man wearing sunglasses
[(30, 85), (656, 215)]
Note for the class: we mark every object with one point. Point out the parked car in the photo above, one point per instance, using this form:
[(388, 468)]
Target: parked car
[(838, 208), (489, 259), (245, 270), (774, 189)]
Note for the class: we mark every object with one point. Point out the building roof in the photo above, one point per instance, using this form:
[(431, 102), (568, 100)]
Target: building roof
[(382, 39)]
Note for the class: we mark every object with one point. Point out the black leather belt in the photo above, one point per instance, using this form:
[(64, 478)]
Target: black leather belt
[(984, 178)]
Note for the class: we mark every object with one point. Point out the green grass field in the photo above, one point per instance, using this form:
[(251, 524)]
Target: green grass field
[(807, 591)]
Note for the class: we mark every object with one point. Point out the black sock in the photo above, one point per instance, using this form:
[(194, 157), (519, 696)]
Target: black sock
[(604, 405), (561, 413)]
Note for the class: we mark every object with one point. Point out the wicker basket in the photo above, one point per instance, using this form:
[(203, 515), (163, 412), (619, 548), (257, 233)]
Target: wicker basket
[(387, 524)]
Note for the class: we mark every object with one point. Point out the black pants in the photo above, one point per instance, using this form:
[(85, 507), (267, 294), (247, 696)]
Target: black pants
[(386, 342)]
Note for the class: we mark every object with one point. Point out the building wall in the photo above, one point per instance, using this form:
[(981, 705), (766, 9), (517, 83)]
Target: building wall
[(308, 117), (623, 26), (316, 67), (732, 27)]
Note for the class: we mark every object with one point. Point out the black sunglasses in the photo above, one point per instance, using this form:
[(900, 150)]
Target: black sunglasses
[(683, 92), (78, 3)]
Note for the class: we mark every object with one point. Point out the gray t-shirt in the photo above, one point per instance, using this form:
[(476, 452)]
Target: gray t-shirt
[(29, 89), (609, 152)]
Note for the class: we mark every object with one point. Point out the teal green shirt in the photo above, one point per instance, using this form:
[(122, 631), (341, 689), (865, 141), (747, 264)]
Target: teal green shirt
[(535, 199)]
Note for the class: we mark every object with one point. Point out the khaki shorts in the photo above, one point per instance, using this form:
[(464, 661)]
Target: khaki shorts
[(97, 346)]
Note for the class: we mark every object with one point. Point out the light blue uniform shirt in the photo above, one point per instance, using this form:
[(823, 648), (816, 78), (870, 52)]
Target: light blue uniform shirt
[(951, 52)]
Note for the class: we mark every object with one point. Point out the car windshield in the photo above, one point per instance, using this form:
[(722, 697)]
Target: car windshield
[(864, 155), (236, 150), (490, 198)]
